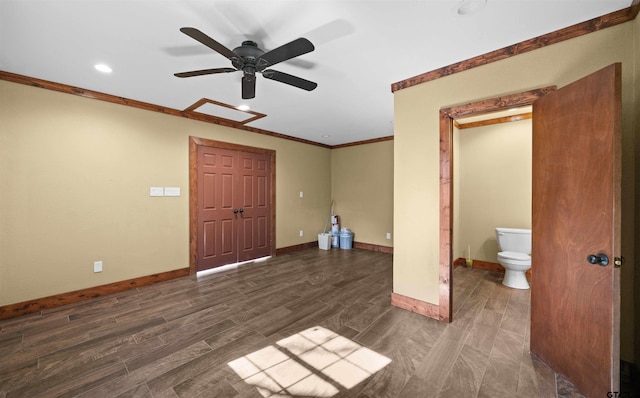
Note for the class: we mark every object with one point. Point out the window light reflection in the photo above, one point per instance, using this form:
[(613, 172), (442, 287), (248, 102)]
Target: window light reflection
[(313, 363)]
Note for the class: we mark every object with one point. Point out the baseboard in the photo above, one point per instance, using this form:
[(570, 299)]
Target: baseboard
[(373, 248), (414, 305), (45, 303), (295, 248), (459, 262), (356, 245), (480, 264), (485, 265)]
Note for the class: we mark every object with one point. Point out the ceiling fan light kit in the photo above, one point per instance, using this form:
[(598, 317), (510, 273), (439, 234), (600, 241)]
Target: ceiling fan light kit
[(249, 59)]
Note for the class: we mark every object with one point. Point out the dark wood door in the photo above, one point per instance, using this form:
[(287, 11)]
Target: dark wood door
[(234, 212), (576, 212), (217, 194), (254, 214)]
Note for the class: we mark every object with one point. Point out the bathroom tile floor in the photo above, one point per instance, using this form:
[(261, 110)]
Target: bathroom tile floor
[(312, 323)]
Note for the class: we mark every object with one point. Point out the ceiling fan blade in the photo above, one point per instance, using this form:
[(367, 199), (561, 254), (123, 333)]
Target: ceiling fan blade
[(209, 42), (248, 86), (286, 51), (289, 79), (204, 72)]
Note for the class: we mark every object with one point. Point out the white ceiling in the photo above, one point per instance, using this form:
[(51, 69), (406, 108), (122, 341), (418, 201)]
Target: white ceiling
[(362, 47)]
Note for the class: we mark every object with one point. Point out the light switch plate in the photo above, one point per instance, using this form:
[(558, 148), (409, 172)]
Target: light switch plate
[(171, 191), (156, 191)]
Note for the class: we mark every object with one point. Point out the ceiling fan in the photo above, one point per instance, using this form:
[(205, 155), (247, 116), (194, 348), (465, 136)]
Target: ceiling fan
[(250, 59)]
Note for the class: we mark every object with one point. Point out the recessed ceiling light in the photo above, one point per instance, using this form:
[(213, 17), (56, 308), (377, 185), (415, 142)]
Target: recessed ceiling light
[(468, 7), (104, 68), (326, 136), (243, 107)]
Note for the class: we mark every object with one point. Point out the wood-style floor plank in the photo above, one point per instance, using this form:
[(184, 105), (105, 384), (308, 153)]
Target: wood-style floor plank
[(175, 339)]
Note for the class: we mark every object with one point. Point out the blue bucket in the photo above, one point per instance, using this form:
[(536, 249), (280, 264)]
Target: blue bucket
[(346, 239)]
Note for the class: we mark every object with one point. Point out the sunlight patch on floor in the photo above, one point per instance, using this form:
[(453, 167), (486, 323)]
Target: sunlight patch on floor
[(313, 363)]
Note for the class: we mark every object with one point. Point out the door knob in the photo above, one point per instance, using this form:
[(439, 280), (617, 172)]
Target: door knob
[(600, 259), (241, 210), (235, 211)]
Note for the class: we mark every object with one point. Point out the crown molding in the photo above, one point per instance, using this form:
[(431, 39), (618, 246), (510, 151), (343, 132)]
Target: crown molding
[(583, 28)]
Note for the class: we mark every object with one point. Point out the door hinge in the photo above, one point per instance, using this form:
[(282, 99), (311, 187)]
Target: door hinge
[(617, 262)]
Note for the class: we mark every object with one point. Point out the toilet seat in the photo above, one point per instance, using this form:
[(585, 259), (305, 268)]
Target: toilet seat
[(514, 258)]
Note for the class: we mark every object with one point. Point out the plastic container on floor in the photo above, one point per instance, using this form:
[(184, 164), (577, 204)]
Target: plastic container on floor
[(335, 232), (346, 239), (324, 241)]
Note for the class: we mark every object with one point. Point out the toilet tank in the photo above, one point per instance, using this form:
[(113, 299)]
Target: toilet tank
[(514, 240)]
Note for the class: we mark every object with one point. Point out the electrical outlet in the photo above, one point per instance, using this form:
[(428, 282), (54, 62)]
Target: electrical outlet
[(301, 233), (301, 194), (388, 235), (97, 266)]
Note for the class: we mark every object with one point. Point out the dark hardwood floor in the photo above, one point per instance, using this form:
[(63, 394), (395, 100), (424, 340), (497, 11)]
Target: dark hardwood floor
[(309, 323)]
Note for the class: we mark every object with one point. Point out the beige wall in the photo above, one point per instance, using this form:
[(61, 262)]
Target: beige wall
[(493, 187), (416, 156), (362, 188), (74, 188)]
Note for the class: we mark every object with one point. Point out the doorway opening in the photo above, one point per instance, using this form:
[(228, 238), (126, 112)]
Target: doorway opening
[(447, 117), (492, 182)]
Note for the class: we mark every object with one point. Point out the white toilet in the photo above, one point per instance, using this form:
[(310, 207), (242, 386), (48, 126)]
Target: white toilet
[(514, 256)]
